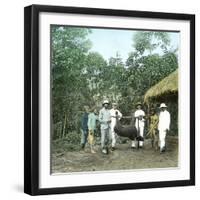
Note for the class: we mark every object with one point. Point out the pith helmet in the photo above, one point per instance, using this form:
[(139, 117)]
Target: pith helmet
[(138, 103), (105, 102), (163, 105)]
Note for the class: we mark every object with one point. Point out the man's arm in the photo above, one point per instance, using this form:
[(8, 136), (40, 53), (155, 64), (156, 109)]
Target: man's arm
[(82, 119), (120, 114), (100, 117), (101, 120), (168, 120)]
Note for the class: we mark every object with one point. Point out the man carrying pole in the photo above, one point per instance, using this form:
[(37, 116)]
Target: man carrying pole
[(113, 123), (153, 128), (139, 123)]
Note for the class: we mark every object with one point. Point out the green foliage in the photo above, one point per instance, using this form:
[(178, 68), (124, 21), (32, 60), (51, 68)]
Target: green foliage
[(70, 143), (68, 54), (149, 41), (145, 70), (81, 77), (73, 138)]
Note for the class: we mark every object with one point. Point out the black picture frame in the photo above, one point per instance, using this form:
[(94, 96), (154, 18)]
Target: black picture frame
[(31, 98)]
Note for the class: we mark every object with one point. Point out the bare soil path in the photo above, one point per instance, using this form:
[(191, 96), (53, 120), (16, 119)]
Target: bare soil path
[(121, 159)]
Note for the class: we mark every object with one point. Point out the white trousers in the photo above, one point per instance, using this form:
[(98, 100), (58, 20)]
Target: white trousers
[(162, 136), (112, 136), (141, 134)]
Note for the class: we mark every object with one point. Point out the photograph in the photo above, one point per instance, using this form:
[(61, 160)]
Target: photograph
[(109, 99), (114, 99)]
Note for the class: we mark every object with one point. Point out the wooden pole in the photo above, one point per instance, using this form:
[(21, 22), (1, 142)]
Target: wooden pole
[(64, 126)]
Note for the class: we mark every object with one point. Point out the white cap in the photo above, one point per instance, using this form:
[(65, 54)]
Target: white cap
[(162, 105), (105, 101)]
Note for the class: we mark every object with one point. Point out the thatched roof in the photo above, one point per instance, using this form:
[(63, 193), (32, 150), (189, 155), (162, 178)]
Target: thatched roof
[(167, 86)]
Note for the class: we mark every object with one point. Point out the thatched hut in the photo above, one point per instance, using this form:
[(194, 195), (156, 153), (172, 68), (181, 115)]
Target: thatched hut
[(165, 91), (166, 88)]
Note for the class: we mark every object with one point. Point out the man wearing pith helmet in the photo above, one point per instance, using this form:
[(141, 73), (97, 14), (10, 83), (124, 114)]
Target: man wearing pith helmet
[(139, 122), (163, 125), (105, 119)]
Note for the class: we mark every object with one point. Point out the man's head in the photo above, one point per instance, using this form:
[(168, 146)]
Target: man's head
[(163, 107), (114, 105), (86, 109), (105, 103), (153, 111), (91, 109), (139, 106), (95, 111)]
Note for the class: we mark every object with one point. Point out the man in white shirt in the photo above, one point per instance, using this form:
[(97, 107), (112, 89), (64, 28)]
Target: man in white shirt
[(139, 123), (163, 125), (105, 119), (113, 123)]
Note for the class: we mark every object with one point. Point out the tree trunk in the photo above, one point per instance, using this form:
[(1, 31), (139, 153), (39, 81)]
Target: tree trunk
[(64, 125)]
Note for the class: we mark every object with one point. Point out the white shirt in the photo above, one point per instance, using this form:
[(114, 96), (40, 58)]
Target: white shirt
[(113, 116), (136, 115), (164, 120), (104, 117)]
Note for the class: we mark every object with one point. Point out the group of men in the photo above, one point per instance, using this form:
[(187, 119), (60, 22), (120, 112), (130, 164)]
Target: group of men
[(107, 120)]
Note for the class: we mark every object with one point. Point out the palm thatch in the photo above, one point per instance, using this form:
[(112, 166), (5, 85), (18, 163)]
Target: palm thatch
[(167, 86)]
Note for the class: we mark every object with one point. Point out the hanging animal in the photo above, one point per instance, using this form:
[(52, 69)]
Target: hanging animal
[(129, 131)]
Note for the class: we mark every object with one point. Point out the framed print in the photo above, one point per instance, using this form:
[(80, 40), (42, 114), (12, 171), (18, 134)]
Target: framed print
[(109, 99)]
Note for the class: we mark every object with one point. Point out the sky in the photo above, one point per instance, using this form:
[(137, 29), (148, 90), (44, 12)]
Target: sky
[(109, 41)]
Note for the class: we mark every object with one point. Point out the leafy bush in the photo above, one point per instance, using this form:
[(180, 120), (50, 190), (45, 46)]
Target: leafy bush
[(72, 138), (71, 142)]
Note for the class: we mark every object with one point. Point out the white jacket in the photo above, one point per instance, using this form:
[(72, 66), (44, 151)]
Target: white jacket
[(137, 114), (164, 121), (113, 116)]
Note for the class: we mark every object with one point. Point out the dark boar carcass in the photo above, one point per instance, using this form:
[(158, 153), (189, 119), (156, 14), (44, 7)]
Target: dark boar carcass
[(129, 131)]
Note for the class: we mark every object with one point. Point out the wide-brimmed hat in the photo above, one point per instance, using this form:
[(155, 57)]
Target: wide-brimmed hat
[(105, 102), (163, 105)]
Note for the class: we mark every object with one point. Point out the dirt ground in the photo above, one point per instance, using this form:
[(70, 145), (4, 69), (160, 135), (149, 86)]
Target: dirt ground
[(120, 159)]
